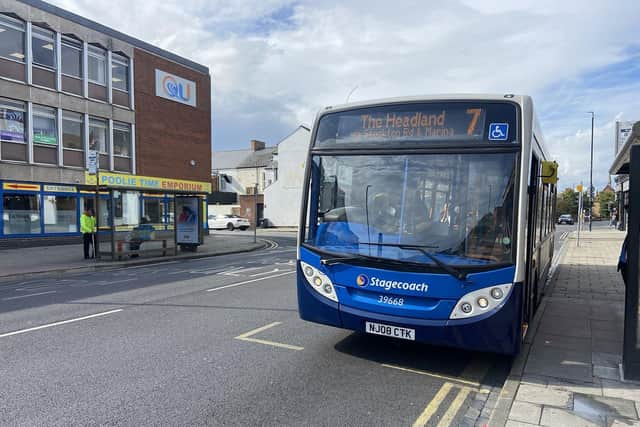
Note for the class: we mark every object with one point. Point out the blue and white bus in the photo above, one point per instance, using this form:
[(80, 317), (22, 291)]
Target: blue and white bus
[(427, 219)]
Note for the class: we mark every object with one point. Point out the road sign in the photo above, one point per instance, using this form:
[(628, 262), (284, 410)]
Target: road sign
[(93, 162), (579, 188)]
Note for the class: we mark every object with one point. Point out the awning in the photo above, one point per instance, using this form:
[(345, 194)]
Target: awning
[(620, 165)]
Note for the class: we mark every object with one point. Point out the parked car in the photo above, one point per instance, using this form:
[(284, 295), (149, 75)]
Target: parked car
[(565, 219), (230, 222)]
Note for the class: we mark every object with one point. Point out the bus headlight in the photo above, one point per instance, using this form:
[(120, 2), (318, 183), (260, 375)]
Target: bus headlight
[(319, 281), (480, 301)]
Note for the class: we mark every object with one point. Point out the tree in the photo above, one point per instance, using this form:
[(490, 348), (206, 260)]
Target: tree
[(606, 199), (567, 202)]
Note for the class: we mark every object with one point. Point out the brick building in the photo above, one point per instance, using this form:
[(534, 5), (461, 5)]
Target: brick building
[(70, 86)]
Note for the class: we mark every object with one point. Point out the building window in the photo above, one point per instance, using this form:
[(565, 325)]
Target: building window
[(11, 38), (12, 121), (72, 125), (98, 135), (121, 139), (97, 65), (21, 214), (122, 146), (72, 139), (60, 214), (44, 126), (120, 72), (43, 47), (71, 57), (152, 210)]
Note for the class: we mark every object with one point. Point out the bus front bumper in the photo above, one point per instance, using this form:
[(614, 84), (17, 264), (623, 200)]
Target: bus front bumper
[(496, 332)]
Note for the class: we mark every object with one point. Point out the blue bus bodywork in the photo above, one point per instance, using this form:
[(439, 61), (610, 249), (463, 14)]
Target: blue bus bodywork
[(496, 330)]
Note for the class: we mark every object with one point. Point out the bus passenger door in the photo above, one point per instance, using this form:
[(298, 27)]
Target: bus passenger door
[(529, 296)]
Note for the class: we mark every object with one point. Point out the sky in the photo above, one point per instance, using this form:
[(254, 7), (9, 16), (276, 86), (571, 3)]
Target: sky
[(276, 63)]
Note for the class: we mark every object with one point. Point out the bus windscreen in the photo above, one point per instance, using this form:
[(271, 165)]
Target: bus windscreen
[(452, 121)]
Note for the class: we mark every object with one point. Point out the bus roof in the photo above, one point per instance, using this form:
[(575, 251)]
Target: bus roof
[(518, 99)]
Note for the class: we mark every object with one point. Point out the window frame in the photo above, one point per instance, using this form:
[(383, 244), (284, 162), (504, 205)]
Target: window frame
[(49, 113), (95, 119), (36, 33), (71, 43), (18, 25), (123, 61), (7, 104), (82, 131), (122, 126), (96, 52)]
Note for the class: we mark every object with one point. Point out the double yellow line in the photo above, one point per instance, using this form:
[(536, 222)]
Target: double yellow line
[(469, 381)]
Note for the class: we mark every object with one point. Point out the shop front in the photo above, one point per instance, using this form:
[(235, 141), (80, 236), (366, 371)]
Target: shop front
[(129, 208)]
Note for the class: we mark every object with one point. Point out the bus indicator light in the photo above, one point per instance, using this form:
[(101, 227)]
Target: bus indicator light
[(497, 293)]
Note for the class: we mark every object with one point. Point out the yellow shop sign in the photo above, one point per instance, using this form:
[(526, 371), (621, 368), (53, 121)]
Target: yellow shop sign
[(120, 180)]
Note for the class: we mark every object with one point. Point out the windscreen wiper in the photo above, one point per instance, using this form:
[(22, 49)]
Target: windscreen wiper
[(346, 258), (338, 260), (458, 274)]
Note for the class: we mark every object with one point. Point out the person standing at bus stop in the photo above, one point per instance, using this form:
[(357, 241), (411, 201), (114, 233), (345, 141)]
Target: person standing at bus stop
[(87, 228)]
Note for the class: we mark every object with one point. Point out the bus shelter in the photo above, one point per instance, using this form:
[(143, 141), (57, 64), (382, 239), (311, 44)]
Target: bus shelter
[(141, 215)]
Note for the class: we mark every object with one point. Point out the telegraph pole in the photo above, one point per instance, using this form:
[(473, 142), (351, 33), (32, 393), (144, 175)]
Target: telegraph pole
[(591, 175)]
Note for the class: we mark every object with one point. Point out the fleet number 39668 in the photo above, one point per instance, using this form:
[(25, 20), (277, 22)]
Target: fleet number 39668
[(390, 300)]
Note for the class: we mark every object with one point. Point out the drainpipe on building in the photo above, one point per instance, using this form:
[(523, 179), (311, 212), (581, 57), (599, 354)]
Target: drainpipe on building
[(255, 207)]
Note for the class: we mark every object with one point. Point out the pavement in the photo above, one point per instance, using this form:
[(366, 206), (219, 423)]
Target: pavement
[(27, 262), (568, 373)]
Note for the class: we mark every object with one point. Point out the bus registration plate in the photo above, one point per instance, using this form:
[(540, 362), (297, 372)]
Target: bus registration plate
[(390, 331)]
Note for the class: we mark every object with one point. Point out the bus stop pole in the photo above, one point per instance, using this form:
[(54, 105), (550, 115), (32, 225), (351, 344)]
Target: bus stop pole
[(631, 348), (579, 215)]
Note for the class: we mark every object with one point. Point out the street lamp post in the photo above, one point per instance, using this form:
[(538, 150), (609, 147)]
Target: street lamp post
[(591, 175)]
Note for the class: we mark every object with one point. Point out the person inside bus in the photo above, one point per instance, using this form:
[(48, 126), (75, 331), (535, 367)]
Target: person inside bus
[(384, 215)]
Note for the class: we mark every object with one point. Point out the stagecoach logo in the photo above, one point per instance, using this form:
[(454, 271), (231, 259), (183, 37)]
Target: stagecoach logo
[(362, 280), (388, 285), (175, 88)]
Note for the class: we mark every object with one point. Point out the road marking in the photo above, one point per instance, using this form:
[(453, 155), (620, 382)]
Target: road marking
[(63, 322), (238, 271), (233, 285), (117, 281), (247, 337), (476, 371), (29, 295), (455, 406), (275, 270), (433, 406), (433, 375)]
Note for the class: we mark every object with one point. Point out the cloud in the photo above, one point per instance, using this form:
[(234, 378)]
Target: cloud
[(275, 63)]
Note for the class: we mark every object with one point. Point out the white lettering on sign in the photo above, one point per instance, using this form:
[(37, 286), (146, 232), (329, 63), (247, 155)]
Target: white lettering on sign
[(175, 88)]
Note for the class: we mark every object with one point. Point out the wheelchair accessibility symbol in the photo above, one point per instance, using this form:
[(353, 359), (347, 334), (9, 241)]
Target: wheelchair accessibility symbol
[(498, 131)]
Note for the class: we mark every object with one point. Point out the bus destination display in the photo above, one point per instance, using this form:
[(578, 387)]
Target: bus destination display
[(467, 123)]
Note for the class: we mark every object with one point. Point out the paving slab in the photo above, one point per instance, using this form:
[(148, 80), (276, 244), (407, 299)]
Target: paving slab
[(543, 396), (525, 412), (623, 390), (586, 405), (511, 423), (559, 363), (555, 417)]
